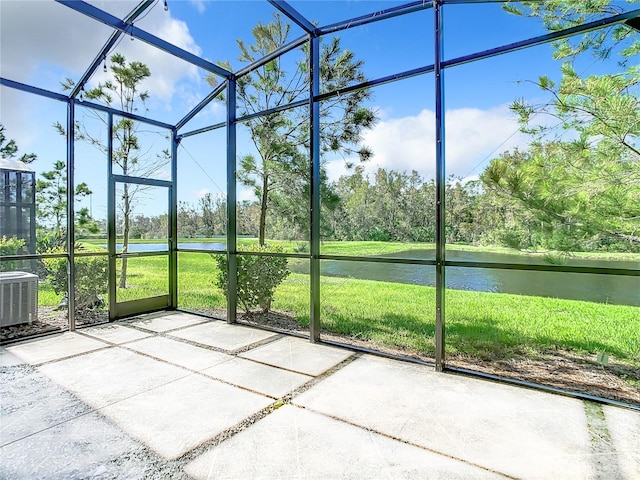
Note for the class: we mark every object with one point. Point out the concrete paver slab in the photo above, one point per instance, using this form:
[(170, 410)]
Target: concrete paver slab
[(467, 427), (30, 402), (623, 434), (114, 333), (219, 334), (271, 381), (179, 416), (179, 353), (165, 323), (292, 443), (83, 447), (54, 348), (8, 359), (515, 431), (298, 355), (107, 376)]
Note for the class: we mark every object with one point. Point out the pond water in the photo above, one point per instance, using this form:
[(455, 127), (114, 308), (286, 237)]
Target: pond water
[(590, 287), (162, 247), (621, 290)]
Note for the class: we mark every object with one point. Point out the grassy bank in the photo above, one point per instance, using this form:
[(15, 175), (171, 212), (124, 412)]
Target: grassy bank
[(479, 324), (482, 325)]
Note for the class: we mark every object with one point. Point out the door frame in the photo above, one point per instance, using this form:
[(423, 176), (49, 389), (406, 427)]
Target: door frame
[(149, 304)]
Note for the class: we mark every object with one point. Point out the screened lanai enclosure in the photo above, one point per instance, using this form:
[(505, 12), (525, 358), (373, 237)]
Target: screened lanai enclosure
[(453, 182)]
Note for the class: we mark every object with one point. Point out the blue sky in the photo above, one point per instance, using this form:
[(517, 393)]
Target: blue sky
[(44, 42)]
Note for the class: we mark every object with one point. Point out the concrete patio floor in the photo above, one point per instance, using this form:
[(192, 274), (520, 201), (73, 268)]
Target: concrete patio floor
[(178, 396)]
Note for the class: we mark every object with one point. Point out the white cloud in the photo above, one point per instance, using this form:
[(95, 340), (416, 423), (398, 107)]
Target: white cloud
[(198, 194), (50, 42), (245, 194), (199, 5), (473, 136)]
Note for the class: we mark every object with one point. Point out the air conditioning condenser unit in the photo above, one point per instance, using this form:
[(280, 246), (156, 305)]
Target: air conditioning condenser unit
[(18, 298)]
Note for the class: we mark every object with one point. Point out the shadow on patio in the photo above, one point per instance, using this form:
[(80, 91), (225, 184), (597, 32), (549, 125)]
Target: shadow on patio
[(181, 396)]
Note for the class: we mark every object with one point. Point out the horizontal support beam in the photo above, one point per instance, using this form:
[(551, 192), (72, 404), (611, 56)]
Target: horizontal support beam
[(203, 130), (545, 268), (34, 90), (153, 182), (280, 108), (120, 113), (374, 83), (96, 106), (622, 18), (376, 16), (288, 106), (542, 39), (115, 22)]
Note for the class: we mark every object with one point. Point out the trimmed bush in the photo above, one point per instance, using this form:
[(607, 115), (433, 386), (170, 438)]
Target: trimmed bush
[(10, 246), (258, 276), (91, 279)]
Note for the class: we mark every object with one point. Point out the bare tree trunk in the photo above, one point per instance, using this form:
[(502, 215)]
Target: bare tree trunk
[(125, 239), (263, 209)]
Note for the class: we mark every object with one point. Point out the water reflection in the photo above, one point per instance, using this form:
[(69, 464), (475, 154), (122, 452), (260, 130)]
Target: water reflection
[(575, 286)]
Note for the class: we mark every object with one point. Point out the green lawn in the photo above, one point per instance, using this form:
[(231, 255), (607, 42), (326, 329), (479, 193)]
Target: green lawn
[(482, 325)]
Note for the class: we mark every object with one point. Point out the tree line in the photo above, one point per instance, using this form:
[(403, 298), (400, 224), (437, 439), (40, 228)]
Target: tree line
[(400, 206)]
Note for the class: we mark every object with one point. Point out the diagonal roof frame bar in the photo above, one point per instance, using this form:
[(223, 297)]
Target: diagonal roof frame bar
[(96, 106), (250, 116), (621, 18), (34, 90), (198, 108), (115, 22), (113, 39), (378, 81), (120, 113), (276, 53), (294, 15), (203, 130), (541, 39), (376, 16)]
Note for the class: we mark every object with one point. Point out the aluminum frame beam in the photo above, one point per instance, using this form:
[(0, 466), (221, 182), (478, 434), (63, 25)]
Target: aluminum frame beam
[(376, 16), (232, 235), (273, 55), (314, 201), (71, 224), (113, 39), (96, 106), (441, 182), (198, 108), (119, 113), (131, 29), (173, 223), (294, 15), (41, 92), (542, 39)]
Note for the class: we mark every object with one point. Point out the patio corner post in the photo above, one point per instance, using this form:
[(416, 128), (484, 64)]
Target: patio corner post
[(440, 187), (111, 215), (314, 110), (232, 247), (173, 223), (71, 277)]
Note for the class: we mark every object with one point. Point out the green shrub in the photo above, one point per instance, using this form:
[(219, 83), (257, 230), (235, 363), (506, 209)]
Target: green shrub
[(258, 276), (10, 246), (91, 279)]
